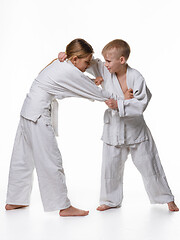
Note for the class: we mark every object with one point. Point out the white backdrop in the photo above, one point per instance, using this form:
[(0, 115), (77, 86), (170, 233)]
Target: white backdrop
[(32, 32)]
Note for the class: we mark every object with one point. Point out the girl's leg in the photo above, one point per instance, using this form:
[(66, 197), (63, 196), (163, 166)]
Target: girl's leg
[(21, 172), (48, 163), (112, 176)]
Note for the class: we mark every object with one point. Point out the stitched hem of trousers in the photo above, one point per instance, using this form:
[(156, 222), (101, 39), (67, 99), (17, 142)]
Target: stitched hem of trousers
[(110, 204), (163, 202), (17, 203), (112, 178), (56, 208)]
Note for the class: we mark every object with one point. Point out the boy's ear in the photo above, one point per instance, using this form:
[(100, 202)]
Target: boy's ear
[(122, 59)]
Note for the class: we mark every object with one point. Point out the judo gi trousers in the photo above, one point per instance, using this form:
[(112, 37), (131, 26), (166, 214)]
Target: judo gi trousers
[(35, 146), (146, 159)]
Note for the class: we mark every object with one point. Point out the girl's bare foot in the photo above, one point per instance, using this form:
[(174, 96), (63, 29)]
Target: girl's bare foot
[(11, 207), (72, 211), (172, 207), (103, 207)]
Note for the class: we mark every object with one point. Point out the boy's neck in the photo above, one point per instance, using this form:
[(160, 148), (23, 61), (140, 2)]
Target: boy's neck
[(122, 71)]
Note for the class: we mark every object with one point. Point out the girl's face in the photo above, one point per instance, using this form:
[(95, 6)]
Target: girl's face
[(82, 63)]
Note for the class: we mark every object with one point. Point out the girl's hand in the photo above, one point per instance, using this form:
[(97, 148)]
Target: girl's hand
[(98, 81), (112, 103), (62, 56)]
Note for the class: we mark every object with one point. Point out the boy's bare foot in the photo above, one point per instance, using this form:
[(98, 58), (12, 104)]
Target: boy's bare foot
[(172, 207), (11, 207), (72, 211), (103, 207)]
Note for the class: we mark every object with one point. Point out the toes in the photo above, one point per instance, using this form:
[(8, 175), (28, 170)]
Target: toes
[(103, 208)]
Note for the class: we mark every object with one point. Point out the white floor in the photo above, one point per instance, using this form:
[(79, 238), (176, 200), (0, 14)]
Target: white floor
[(136, 219)]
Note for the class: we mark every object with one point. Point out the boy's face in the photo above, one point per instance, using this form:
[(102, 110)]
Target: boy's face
[(113, 61)]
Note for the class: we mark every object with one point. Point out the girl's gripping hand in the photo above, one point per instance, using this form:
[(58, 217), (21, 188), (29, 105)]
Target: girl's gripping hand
[(62, 56), (111, 103)]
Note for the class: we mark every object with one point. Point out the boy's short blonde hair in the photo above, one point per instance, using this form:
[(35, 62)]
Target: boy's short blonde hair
[(122, 47)]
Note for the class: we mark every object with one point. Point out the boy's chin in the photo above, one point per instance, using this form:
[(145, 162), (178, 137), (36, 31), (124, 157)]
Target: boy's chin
[(110, 70)]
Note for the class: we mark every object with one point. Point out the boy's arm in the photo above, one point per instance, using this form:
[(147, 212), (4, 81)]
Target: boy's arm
[(137, 105), (113, 104), (96, 68)]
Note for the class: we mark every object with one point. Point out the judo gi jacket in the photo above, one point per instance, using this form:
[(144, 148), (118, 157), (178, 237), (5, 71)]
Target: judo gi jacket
[(125, 125), (57, 81)]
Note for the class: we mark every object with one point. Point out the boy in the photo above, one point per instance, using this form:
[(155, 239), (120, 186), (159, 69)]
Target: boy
[(125, 130)]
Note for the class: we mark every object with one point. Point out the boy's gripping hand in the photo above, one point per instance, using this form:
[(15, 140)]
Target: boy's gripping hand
[(62, 56), (128, 94), (112, 103), (98, 80)]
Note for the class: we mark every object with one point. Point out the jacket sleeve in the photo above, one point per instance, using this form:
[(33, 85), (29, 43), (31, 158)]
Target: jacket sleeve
[(78, 85), (96, 68), (137, 105)]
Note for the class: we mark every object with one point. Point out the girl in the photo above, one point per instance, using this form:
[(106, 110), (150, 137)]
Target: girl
[(35, 144)]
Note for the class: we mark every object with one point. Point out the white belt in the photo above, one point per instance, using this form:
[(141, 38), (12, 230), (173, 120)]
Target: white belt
[(109, 113), (54, 116)]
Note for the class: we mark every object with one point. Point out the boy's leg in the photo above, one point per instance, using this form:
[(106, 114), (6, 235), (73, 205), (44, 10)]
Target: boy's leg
[(146, 159), (112, 176), (21, 172)]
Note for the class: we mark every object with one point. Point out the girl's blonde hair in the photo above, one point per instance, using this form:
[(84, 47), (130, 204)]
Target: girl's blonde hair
[(120, 45), (78, 47)]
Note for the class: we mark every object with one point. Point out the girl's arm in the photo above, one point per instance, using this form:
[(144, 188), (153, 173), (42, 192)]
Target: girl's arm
[(75, 83)]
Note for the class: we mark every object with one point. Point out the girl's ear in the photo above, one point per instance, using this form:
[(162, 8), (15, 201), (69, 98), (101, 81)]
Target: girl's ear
[(122, 60), (74, 59)]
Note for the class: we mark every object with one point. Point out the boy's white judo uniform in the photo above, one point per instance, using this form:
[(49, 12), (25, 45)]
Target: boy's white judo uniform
[(125, 131), (35, 144)]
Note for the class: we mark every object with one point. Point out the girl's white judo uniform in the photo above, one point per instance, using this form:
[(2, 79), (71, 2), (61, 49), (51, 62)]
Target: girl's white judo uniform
[(35, 144), (125, 131)]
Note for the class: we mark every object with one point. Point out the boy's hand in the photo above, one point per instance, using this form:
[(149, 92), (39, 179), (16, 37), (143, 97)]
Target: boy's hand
[(62, 56), (128, 94), (98, 81), (112, 103)]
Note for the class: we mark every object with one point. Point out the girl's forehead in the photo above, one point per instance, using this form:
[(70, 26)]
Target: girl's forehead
[(89, 57)]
